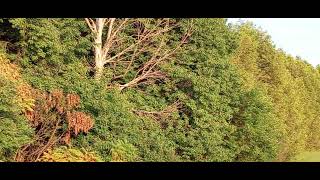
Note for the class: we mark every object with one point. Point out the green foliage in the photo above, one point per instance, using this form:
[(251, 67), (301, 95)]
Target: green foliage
[(307, 157), (14, 132), (65, 154), (123, 151), (258, 132), (14, 129), (291, 83), (8, 94), (52, 42), (207, 86), (228, 95), (118, 129)]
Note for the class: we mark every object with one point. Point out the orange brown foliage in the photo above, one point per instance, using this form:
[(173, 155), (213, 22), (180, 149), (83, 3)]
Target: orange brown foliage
[(51, 111), (73, 101), (79, 122)]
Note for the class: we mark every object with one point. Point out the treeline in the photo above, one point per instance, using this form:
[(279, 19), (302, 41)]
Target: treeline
[(152, 90)]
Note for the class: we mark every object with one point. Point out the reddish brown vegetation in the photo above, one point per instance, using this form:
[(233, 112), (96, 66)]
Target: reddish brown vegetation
[(50, 113)]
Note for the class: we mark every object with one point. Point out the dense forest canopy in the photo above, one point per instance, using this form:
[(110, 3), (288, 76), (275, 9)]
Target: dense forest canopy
[(140, 89)]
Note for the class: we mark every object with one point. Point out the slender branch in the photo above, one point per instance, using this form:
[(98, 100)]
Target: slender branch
[(110, 28), (110, 37), (91, 24), (49, 141), (157, 115)]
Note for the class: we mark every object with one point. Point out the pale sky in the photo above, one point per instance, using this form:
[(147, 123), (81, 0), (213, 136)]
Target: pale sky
[(296, 36)]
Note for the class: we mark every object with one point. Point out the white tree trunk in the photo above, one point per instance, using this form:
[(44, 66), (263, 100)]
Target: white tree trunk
[(99, 61)]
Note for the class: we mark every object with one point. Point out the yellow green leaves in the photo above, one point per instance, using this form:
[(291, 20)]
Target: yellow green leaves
[(123, 151), (28, 105), (65, 154), (291, 84), (11, 73)]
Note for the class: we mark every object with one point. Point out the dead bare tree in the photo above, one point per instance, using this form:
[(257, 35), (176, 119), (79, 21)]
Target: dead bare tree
[(101, 51), (114, 50)]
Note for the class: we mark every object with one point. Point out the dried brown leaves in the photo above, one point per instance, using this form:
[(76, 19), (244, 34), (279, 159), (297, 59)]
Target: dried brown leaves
[(50, 113)]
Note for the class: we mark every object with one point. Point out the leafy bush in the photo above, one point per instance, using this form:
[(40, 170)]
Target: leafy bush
[(14, 128), (65, 154)]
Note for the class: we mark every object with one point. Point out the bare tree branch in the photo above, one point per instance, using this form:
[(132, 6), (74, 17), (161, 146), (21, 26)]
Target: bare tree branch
[(157, 115), (91, 24), (148, 70)]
